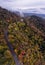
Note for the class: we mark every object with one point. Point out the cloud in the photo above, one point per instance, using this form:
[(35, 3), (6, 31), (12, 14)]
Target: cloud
[(22, 4)]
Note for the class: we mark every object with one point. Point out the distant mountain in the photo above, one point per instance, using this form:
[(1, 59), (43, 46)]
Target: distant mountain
[(30, 14), (34, 11), (42, 8)]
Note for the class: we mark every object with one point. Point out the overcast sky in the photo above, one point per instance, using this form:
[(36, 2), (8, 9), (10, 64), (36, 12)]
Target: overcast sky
[(22, 4)]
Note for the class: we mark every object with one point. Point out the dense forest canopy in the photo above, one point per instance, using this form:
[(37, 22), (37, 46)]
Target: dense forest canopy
[(26, 36)]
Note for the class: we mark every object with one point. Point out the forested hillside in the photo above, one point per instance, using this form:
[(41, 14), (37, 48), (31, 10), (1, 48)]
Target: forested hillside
[(25, 35)]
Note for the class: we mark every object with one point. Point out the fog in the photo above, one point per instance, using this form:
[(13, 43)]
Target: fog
[(20, 5)]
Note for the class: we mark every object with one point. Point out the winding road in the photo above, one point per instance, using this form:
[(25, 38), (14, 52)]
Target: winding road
[(17, 62)]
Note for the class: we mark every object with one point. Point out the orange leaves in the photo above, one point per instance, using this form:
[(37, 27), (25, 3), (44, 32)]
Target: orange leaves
[(21, 55), (23, 52)]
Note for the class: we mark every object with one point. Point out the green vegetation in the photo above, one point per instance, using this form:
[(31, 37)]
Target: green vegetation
[(28, 44)]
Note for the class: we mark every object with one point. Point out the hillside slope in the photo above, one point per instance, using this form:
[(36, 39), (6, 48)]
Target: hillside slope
[(27, 38)]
